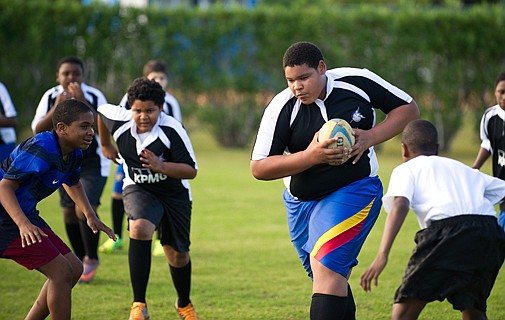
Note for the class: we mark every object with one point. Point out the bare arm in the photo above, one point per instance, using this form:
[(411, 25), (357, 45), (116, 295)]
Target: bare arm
[(394, 221), (482, 156), (108, 149), (77, 194), (7, 122), (393, 125), (280, 166), (28, 232)]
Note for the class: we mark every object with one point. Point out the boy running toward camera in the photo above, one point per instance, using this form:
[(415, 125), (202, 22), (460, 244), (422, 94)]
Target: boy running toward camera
[(158, 158)]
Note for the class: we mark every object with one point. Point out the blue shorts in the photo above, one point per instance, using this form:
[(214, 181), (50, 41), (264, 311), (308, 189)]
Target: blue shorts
[(333, 229), (501, 219), (117, 187)]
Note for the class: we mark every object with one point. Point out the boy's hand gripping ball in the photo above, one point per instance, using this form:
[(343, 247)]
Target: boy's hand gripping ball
[(340, 129)]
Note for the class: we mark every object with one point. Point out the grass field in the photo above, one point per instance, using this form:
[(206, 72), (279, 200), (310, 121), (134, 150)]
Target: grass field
[(244, 266)]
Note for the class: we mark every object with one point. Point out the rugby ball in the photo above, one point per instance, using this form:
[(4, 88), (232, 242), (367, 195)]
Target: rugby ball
[(339, 129)]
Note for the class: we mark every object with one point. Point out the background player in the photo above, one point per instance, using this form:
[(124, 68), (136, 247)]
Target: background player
[(95, 168), (492, 134), (330, 209), (158, 160), (33, 171), (460, 248), (153, 70), (8, 122)]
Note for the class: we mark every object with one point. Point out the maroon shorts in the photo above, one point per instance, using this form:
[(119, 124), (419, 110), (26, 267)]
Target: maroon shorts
[(37, 254)]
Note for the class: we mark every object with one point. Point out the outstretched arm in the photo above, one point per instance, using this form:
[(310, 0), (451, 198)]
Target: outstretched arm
[(77, 194), (394, 221)]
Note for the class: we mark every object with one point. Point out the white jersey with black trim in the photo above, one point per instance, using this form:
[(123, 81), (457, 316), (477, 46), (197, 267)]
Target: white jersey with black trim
[(7, 110), (492, 134), (170, 107), (95, 163), (168, 139), (288, 126)]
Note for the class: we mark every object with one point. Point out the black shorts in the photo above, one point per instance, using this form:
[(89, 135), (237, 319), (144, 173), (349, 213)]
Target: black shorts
[(171, 217), (456, 259), (93, 187)]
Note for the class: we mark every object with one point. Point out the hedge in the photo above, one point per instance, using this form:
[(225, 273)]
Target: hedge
[(446, 58)]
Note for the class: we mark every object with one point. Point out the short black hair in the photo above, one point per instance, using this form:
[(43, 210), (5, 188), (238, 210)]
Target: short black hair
[(499, 78), (144, 89), (301, 53), (73, 60), (154, 66), (68, 111), (421, 137)]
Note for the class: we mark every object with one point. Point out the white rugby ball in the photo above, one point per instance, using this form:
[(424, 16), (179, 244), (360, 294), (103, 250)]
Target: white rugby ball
[(339, 129)]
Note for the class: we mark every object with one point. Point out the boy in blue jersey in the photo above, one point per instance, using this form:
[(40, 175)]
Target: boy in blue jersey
[(34, 170), (331, 208), (461, 247), (158, 160)]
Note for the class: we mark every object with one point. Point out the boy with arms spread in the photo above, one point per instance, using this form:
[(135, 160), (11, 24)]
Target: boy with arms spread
[(95, 167), (330, 209), (34, 170), (158, 158), (461, 247), (492, 134)]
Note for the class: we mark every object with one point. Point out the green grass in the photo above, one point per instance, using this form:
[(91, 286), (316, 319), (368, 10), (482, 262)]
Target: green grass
[(244, 266)]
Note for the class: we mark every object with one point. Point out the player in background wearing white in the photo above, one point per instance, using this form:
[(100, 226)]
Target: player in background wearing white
[(153, 70), (461, 248), (492, 134), (331, 209), (95, 167), (8, 122), (158, 161)]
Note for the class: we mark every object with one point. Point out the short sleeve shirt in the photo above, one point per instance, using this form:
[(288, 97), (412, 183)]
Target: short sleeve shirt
[(439, 188), (38, 165), (7, 134), (492, 134), (168, 139), (288, 126)]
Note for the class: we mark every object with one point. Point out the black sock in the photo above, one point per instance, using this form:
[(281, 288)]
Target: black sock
[(350, 313), (90, 240), (181, 277), (139, 258), (327, 307), (117, 216), (75, 238)]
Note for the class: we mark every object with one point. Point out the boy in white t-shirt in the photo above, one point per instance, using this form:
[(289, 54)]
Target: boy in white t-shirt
[(461, 248)]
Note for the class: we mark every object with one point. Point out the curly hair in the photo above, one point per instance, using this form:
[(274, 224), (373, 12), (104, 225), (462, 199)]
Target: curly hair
[(68, 111), (301, 53), (146, 90)]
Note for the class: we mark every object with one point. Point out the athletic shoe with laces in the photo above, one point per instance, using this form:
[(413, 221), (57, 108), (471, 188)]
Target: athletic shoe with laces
[(110, 245), (186, 313), (158, 249), (139, 311), (90, 266)]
